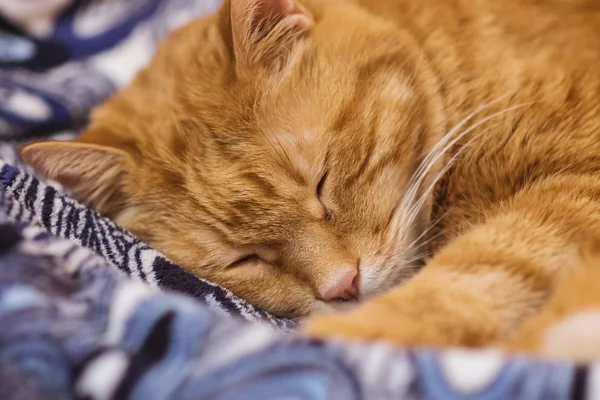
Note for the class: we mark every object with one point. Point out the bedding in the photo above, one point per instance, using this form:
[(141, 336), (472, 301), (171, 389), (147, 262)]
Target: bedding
[(89, 311)]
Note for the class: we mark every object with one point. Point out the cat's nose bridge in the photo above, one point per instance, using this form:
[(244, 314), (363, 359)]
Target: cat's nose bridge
[(325, 261)]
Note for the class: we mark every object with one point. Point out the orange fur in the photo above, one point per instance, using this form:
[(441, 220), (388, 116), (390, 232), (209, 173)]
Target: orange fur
[(466, 129), (568, 327)]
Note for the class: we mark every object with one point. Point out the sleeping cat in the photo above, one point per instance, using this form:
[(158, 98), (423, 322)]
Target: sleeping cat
[(437, 158)]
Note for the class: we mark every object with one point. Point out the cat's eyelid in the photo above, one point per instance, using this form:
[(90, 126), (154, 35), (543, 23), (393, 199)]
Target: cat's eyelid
[(244, 260), (328, 216), (321, 184)]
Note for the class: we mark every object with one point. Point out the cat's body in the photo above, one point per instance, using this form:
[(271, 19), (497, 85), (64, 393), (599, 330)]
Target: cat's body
[(343, 142), (535, 62), (567, 327)]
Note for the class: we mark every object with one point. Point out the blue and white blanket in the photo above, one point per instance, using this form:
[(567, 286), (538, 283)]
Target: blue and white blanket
[(87, 311)]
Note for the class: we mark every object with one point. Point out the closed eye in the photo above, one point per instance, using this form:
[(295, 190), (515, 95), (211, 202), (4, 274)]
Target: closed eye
[(321, 184), (252, 258), (328, 215)]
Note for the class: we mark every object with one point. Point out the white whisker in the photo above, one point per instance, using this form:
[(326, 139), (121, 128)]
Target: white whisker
[(429, 161), (415, 208), (410, 207), (425, 231), (436, 151), (409, 263), (425, 243), (408, 268)]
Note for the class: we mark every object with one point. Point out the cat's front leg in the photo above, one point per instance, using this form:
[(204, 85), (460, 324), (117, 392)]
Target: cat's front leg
[(437, 308), (481, 287)]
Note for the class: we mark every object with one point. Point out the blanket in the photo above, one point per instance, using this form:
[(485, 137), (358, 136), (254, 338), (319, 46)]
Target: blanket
[(87, 311)]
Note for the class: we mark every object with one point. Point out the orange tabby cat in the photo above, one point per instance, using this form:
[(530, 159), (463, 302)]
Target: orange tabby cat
[(309, 155)]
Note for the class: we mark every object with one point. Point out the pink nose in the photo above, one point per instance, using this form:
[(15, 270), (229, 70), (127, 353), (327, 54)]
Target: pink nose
[(343, 285)]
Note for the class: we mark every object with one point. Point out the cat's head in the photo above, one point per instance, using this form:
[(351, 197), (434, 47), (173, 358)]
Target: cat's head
[(267, 148)]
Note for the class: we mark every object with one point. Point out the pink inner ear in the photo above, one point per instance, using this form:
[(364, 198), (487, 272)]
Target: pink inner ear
[(261, 29), (274, 10), (278, 8)]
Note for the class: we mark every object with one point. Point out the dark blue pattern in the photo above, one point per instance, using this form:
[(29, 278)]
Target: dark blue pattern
[(81, 47), (72, 325)]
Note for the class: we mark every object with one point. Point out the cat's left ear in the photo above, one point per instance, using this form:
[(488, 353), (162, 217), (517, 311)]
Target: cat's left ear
[(261, 32), (93, 172)]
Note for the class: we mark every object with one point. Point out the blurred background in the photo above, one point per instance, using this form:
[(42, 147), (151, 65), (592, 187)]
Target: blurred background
[(60, 58)]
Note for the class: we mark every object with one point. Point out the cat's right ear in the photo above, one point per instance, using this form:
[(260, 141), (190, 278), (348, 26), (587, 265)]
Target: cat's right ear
[(93, 172), (262, 32)]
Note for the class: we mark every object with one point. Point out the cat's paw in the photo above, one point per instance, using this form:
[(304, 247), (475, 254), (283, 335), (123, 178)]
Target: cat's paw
[(364, 325)]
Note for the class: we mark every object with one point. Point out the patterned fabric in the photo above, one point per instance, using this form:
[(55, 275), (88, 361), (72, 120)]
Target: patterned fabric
[(74, 327), (87, 311)]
